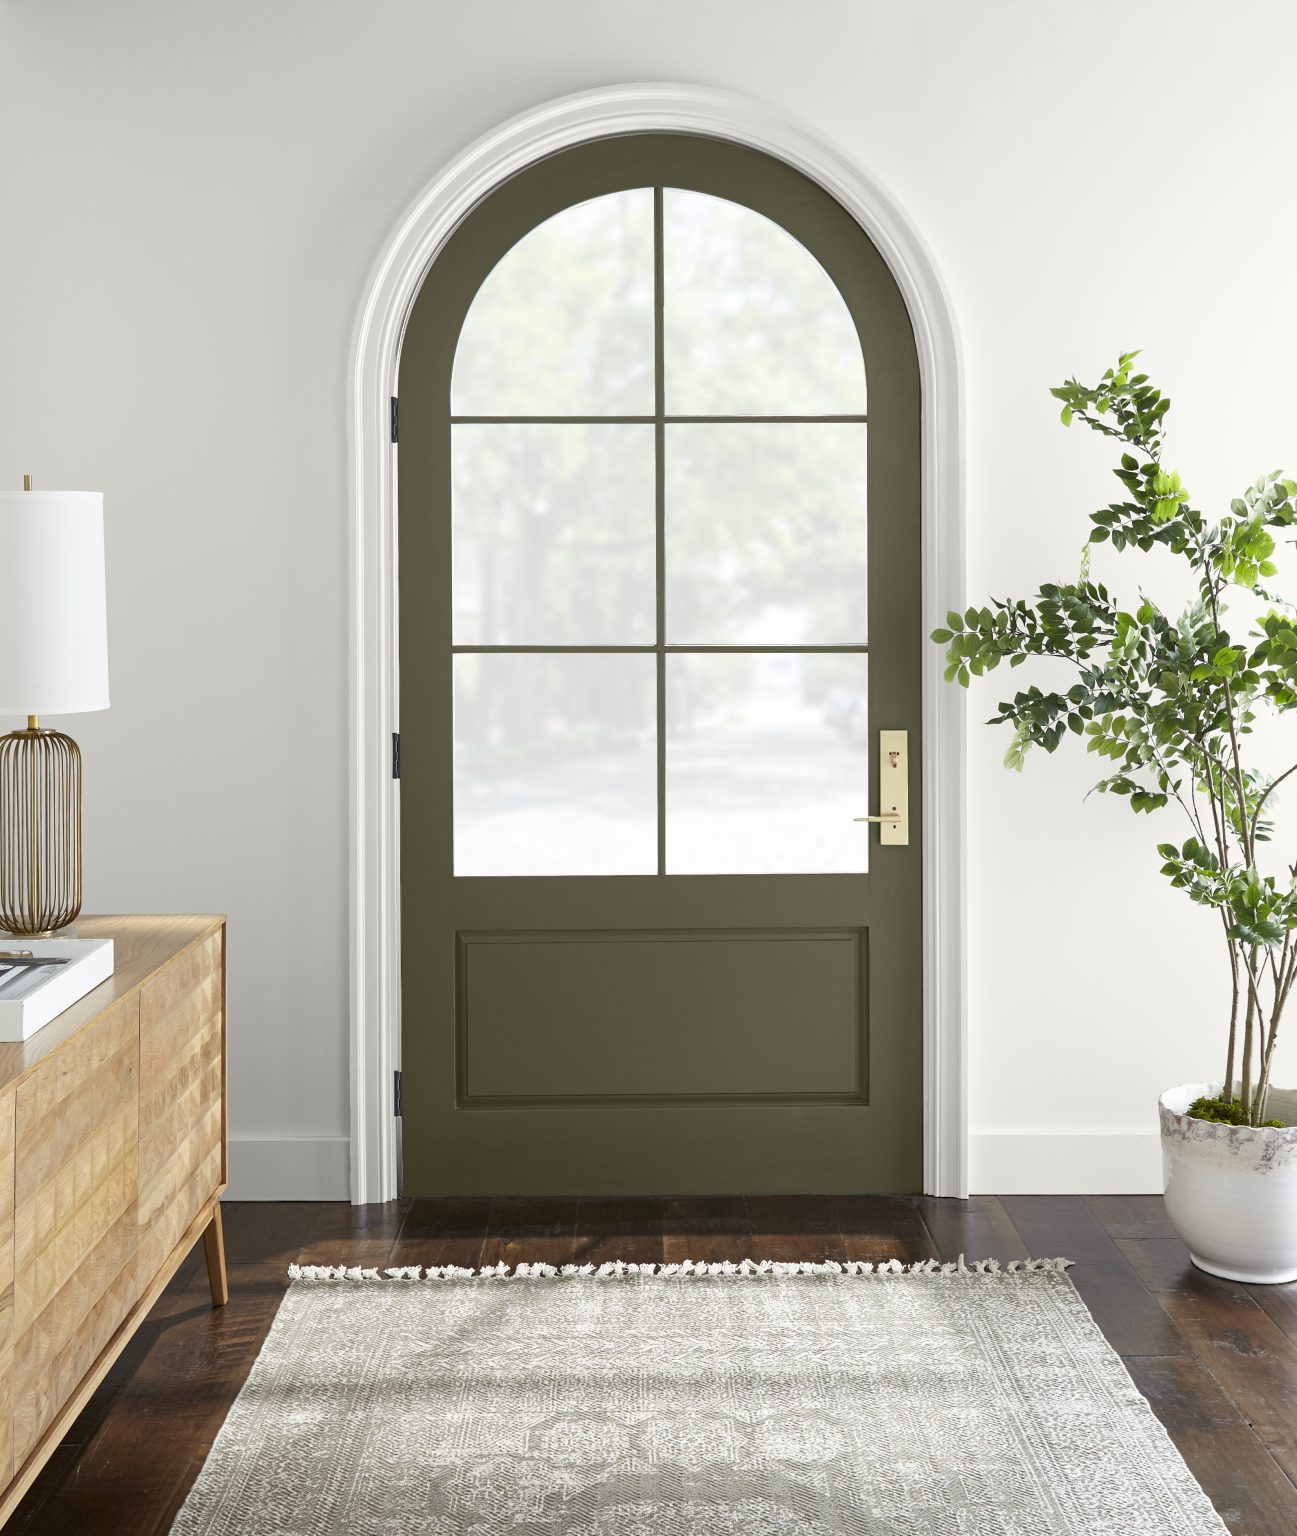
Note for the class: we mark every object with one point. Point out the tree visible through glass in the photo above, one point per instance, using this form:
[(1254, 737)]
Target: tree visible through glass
[(660, 550)]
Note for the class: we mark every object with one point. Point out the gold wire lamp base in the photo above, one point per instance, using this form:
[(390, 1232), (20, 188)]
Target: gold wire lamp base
[(40, 830)]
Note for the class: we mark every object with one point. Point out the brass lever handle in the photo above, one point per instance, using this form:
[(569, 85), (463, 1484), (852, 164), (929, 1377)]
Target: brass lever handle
[(893, 820)]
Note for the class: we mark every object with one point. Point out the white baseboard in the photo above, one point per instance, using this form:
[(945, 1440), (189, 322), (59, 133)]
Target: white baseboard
[(289, 1168), (1008, 1163), (1065, 1163)]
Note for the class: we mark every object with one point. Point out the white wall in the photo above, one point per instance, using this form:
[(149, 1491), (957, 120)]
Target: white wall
[(191, 199)]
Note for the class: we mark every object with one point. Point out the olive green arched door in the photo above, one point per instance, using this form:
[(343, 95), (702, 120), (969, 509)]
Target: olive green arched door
[(659, 496)]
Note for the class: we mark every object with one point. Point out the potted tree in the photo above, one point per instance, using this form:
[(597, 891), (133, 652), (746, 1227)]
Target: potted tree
[(1169, 702)]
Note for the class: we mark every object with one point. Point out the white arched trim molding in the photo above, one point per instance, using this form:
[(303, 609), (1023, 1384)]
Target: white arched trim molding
[(374, 798)]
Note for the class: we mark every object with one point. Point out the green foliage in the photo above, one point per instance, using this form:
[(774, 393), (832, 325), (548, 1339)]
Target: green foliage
[(1167, 701), (1224, 1111)]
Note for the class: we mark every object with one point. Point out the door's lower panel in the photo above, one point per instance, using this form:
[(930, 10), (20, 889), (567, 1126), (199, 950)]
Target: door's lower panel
[(722, 1057), (661, 1017)]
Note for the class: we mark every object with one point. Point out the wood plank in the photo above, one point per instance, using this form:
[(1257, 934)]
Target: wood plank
[(1279, 1302), (878, 1227), (1059, 1227), (796, 1228), (62, 1461), (1137, 1216), (706, 1228), (1253, 1360), (531, 1229), (1250, 1492), (629, 1229), (1130, 1319), (1249, 1354), (1164, 1266), (362, 1235), (448, 1229), (978, 1227)]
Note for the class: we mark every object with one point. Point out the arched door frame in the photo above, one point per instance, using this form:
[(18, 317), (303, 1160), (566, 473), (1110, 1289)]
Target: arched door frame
[(374, 874)]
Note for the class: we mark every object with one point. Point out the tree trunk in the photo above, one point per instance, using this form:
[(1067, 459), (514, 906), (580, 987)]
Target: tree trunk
[(1227, 1091)]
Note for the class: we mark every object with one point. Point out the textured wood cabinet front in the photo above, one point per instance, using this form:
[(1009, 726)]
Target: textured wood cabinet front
[(181, 1096), (112, 1163), (7, 1099), (75, 1213)]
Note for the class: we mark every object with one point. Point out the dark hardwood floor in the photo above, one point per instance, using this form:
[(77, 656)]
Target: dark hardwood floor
[(1218, 1361)]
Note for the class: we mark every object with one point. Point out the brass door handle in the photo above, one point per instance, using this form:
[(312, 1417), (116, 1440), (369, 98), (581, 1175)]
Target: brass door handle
[(893, 790)]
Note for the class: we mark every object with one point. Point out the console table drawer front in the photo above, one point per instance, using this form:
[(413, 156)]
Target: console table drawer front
[(7, 1099), (182, 1030), (75, 1213)]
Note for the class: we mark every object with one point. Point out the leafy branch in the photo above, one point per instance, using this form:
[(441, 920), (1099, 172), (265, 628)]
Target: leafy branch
[(1169, 702)]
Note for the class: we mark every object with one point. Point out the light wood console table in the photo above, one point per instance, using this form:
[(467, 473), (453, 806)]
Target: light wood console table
[(112, 1163)]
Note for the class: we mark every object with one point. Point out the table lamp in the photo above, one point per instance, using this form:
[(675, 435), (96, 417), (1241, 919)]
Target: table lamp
[(53, 660)]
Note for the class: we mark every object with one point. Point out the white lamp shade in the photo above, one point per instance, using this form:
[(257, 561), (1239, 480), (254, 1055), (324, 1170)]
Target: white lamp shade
[(53, 619)]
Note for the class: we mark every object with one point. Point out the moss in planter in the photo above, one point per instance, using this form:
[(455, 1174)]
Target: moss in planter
[(1223, 1111)]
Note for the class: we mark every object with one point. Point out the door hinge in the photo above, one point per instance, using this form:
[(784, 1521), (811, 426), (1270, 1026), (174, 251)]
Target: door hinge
[(396, 1093), (395, 418), (396, 754)]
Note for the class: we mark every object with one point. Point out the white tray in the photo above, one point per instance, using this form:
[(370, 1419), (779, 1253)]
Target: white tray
[(28, 1001)]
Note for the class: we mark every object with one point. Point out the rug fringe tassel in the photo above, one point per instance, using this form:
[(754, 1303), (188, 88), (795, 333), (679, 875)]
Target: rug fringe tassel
[(744, 1269)]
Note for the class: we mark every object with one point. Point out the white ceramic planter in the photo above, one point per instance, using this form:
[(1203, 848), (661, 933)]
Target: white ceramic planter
[(1231, 1190)]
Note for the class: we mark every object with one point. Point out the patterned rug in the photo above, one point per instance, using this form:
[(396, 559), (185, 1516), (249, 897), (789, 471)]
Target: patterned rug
[(711, 1400)]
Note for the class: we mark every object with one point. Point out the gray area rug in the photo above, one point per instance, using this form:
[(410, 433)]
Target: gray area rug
[(711, 1400)]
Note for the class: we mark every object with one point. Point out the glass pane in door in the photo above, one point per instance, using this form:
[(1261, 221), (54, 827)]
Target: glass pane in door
[(555, 763), (767, 761), (554, 534), (563, 326), (766, 533), (754, 325)]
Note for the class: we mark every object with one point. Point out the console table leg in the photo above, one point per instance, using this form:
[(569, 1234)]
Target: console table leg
[(214, 1247)]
